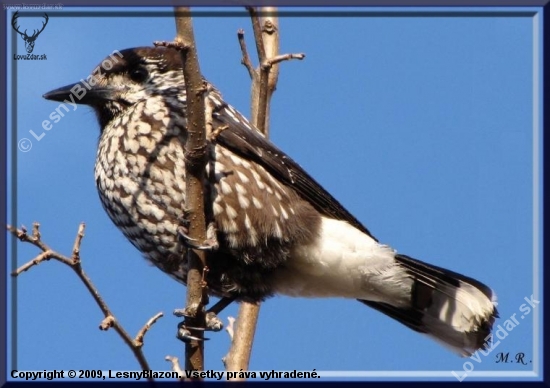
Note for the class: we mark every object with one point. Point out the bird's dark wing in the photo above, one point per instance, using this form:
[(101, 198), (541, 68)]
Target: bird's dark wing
[(242, 139)]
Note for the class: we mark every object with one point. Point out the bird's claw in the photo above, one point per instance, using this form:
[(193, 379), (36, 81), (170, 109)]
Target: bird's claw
[(184, 334), (195, 328), (210, 244), (213, 323), (182, 313)]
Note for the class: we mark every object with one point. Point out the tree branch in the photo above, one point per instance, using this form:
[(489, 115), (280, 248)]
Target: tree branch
[(138, 340), (74, 262), (195, 164), (246, 58), (242, 338), (260, 102), (280, 58), (264, 78), (270, 36), (264, 82)]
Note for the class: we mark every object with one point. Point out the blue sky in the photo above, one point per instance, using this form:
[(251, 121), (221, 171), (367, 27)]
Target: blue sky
[(421, 126)]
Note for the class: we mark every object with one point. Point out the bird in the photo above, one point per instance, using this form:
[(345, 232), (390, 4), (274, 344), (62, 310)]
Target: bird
[(276, 230)]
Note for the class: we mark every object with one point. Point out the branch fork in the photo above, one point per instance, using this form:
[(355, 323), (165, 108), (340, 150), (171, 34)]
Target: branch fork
[(74, 261)]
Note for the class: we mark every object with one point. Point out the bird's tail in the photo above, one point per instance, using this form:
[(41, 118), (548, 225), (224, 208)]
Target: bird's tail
[(451, 308)]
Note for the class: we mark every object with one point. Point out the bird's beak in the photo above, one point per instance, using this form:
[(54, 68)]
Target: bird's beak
[(80, 93)]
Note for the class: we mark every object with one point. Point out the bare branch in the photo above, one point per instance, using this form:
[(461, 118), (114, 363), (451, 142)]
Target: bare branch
[(37, 260), (271, 39), (22, 235), (36, 231), (74, 263), (215, 133), (195, 164), (284, 57), (257, 28), (246, 58), (175, 365), (230, 326), (238, 357), (77, 242), (138, 340), (264, 81), (260, 88)]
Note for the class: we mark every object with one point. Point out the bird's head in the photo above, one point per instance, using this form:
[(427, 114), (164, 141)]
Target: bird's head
[(125, 78)]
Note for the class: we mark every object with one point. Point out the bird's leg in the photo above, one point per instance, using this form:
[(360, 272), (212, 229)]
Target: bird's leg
[(211, 242), (213, 323)]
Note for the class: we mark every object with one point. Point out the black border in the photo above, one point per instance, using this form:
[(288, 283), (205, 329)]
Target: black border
[(388, 3)]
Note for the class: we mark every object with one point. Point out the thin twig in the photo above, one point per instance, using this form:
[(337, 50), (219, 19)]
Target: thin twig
[(175, 366), (216, 132), (230, 327), (259, 119), (246, 58), (138, 340), (77, 242), (36, 231), (74, 263), (283, 57)]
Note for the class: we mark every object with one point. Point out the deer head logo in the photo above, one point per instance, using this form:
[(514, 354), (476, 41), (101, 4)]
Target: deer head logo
[(29, 40)]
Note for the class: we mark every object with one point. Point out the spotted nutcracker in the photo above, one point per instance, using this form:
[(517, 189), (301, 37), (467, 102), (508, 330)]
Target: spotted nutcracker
[(278, 231)]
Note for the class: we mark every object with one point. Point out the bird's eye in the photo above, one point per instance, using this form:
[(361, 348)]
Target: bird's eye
[(138, 75)]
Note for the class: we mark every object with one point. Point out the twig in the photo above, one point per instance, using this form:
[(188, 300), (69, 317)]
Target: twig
[(270, 36), (175, 366), (246, 58), (138, 340), (75, 263), (216, 132), (77, 242), (259, 119), (230, 326), (195, 164), (284, 57), (264, 79)]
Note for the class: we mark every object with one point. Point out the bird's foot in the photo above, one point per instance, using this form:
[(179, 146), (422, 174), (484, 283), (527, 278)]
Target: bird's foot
[(210, 244), (212, 323)]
